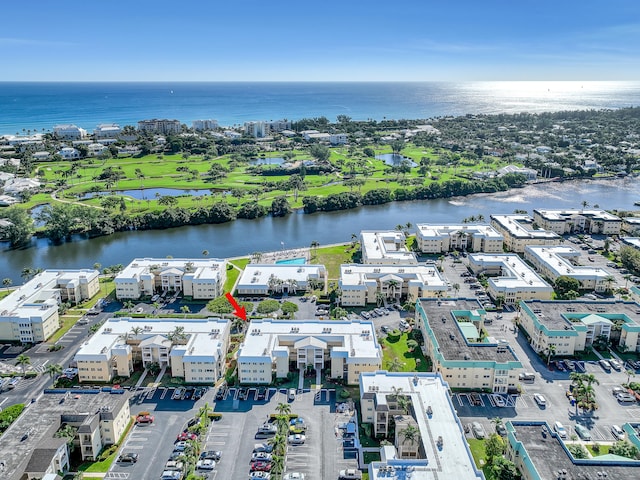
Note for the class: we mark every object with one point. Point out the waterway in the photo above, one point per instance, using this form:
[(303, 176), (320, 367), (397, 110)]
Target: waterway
[(243, 237)]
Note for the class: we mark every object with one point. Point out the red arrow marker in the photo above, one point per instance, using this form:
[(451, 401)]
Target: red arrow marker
[(238, 311)]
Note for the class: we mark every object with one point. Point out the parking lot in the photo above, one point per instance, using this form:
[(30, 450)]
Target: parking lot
[(321, 456)]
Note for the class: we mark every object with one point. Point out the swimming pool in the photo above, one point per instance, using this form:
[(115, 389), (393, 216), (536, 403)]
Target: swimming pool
[(294, 261)]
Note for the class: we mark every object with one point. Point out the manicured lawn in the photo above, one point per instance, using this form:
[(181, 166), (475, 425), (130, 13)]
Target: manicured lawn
[(399, 349), (103, 466), (477, 450), (232, 276), (604, 450), (66, 322), (333, 257), (4, 293)]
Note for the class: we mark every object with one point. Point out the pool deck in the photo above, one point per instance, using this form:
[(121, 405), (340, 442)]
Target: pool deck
[(285, 256)]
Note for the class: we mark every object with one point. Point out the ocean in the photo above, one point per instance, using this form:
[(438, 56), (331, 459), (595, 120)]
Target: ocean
[(40, 106)]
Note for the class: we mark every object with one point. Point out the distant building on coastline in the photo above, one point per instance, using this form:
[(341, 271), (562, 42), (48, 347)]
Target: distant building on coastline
[(107, 130), (164, 126), (256, 129), (202, 125), (69, 132)]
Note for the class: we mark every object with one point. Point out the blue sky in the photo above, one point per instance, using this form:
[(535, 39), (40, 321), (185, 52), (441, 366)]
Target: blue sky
[(347, 40)]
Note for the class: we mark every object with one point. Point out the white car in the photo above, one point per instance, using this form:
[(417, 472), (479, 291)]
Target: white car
[(350, 474), (540, 400), (263, 456), (294, 476), (297, 439), (207, 464), (617, 432), (560, 430), (259, 475)]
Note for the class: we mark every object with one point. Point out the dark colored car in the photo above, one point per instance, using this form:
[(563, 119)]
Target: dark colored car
[(211, 455), (221, 393), (128, 458), (262, 393)]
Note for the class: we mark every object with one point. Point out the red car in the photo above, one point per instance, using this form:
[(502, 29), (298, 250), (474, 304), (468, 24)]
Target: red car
[(186, 436), (144, 419), (260, 466)]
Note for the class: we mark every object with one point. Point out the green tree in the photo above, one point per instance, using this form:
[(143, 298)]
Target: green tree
[(23, 360), (504, 469), (410, 434), (397, 146), (289, 308), (283, 408), (564, 284), (578, 451), (7, 282), (280, 207), (19, 228), (319, 152), (268, 306), (625, 449), (69, 432), (185, 309), (395, 364), (53, 370), (493, 447)]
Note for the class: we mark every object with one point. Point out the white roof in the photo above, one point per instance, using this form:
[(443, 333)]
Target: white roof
[(521, 226), (556, 257), (454, 460), (560, 215), (258, 274), (352, 340), (430, 231), (515, 273), (203, 268), (385, 246), (357, 274), (631, 241), (202, 343)]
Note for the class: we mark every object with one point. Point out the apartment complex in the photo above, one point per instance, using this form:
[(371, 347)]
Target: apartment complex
[(572, 326), (107, 130), (451, 329), (631, 242), (520, 231), (202, 125), (69, 132), (362, 284), (29, 314), (29, 447), (193, 349), (578, 221), (423, 401), (511, 279), (345, 348), (161, 126), (557, 260), (631, 225), (264, 279), (385, 248), (445, 238), (199, 278)]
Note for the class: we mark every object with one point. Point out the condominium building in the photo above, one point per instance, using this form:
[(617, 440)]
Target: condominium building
[(69, 132), (557, 260), (511, 279), (385, 248), (338, 138), (194, 349), (580, 221), (30, 449), (520, 231), (423, 401), (264, 279), (202, 125), (631, 242), (199, 278), (631, 225), (69, 153), (341, 349), (538, 453), (107, 130), (279, 125), (162, 126), (573, 326), (362, 284), (256, 129), (445, 238), (452, 332), (29, 314)]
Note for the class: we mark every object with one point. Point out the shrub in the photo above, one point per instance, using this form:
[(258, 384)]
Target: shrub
[(268, 306), (393, 336)]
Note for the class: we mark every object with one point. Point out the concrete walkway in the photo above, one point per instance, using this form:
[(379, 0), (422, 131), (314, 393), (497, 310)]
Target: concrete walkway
[(142, 377), (301, 379)]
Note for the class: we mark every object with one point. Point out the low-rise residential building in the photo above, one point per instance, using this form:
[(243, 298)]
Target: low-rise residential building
[(342, 349), (162, 126), (69, 153), (29, 314), (573, 326), (95, 149), (529, 173), (631, 225), (194, 349), (385, 248), (580, 221), (15, 186), (558, 260), (69, 132), (362, 284), (202, 125), (511, 279), (451, 329), (30, 449), (422, 400), (445, 238), (338, 138), (631, 242), (519, 231), (538, 453), (264, 279), (42, 156), (199, 278), (107, 130)]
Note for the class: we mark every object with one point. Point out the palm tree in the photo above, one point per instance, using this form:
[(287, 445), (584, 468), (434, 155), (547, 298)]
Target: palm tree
[(403, 403), (283, 409), (277, 464), (551, 351), (392, 285), (7, 282), (394, 365), (136, 330), (128, 305), (53, 370), (609, 279), (185, 309), (410, 433), (68, 432), (379, 298), (177, 335), (23, 361)]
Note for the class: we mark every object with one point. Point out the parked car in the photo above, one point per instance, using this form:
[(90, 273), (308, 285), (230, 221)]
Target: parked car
[(540, 400), (606, 366), (171, 475), (625, 398), (583, 433), (501, 430), (385, 328), (211, 455), (259, 475), (221, 393), (297, 439), (293, 476), (178, 393), (262, 447), (260, 466), (560, 430), (174, 465), (478, 430), (618, 389), (350, 474), (616, 364), (261, 456), (291, 395), (206, 464), (144, 417), (184, 436), (128, 458), (617, 432), (262, 393)]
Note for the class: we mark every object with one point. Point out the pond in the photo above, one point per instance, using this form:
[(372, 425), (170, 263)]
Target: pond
[(267, 161), (150, 193), (394, 159)]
